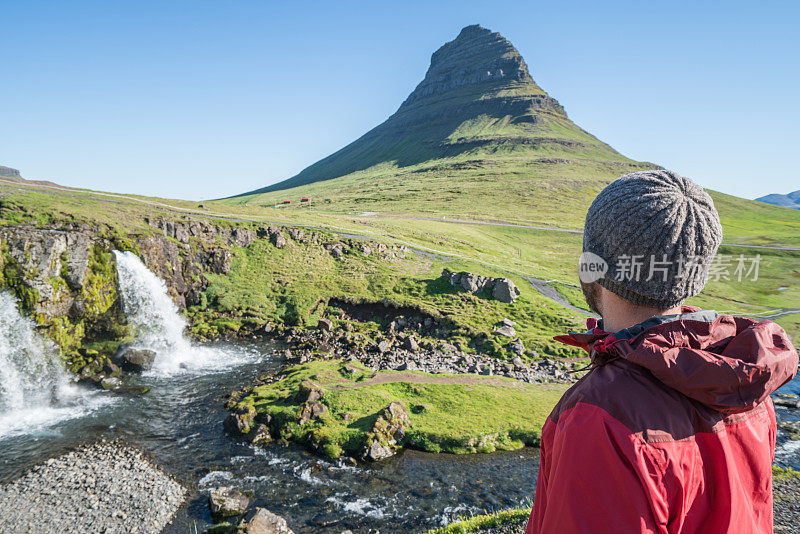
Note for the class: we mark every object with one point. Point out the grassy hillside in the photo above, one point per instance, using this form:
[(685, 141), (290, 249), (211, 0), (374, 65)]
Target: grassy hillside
[(486, 249)]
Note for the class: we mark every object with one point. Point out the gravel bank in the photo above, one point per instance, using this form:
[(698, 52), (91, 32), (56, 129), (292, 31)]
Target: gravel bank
[(103, 487)]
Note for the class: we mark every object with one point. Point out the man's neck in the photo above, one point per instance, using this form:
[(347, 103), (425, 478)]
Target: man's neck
[(619, 314)]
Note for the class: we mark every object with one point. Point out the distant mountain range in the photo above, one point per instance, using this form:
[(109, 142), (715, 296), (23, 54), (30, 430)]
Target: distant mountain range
[(792, 200)]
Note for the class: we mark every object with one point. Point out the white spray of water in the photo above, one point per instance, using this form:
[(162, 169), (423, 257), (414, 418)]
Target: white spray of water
[(35, 390), (158, 324)]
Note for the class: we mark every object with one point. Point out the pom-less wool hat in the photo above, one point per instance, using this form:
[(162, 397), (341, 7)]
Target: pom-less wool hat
[(658, 232)]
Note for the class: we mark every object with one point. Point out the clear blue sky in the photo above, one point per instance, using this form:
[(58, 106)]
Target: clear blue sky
[(207, 99)]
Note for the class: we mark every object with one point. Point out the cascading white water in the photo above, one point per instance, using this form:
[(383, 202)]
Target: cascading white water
[(30, 373), (35, 390), (158, 324)]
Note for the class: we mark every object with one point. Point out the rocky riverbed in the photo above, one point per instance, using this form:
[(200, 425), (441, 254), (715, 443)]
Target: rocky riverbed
[(405, 351), (103, 487)]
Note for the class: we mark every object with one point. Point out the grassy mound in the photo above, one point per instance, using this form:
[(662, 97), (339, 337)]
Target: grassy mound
[(448, 413)]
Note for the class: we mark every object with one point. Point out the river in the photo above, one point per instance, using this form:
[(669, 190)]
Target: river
[(179, 423)]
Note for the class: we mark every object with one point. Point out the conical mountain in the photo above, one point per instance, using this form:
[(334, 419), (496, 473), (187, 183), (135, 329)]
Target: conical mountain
[(477, 122)]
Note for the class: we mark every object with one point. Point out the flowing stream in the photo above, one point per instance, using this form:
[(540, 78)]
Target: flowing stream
[(179, 423)]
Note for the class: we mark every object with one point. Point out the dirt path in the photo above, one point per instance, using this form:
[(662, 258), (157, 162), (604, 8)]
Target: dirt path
[(414, 378), (544, 287)]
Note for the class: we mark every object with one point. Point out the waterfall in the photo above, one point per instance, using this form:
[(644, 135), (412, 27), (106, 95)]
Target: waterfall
[(158, 324), (30, 373), (35, 390)]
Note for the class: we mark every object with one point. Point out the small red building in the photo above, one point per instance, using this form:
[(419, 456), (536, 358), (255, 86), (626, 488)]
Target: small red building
[(286, 202), (305, 199)]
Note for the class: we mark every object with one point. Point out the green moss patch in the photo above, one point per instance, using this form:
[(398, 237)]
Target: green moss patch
[(515, 516)]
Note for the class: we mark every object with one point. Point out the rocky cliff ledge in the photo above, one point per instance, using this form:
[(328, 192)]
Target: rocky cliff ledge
[(8, 172)]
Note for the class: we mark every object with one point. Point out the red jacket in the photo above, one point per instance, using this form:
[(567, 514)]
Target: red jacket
[(673, 430)]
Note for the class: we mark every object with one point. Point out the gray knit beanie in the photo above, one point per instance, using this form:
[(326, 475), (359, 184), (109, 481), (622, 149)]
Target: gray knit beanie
[(658, 232)]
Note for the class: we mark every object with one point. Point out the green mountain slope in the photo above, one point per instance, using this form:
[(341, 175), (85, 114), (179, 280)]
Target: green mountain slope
[(477, 117)]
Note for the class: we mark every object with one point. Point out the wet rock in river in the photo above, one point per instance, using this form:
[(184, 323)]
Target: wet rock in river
[(375, 451), (260, 435), (262, 521), (241, 422), (136, 360), (786, 400), (227, 502)]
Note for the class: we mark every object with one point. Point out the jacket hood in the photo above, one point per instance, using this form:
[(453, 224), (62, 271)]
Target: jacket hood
[(730, 364)]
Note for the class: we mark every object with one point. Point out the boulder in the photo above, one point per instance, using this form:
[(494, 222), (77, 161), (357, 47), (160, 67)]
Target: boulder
[(260, 435), (109, 368), (508, 322), (517, 347), (387, 432), (411, 344), (326, 325), (507, 331), (241, 422), (384, 346), (308, 391), (375, 451), (227, 502), (262, 521), (471, 282), (296, 234), (136, 360), (310, 410), (505, 290)]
